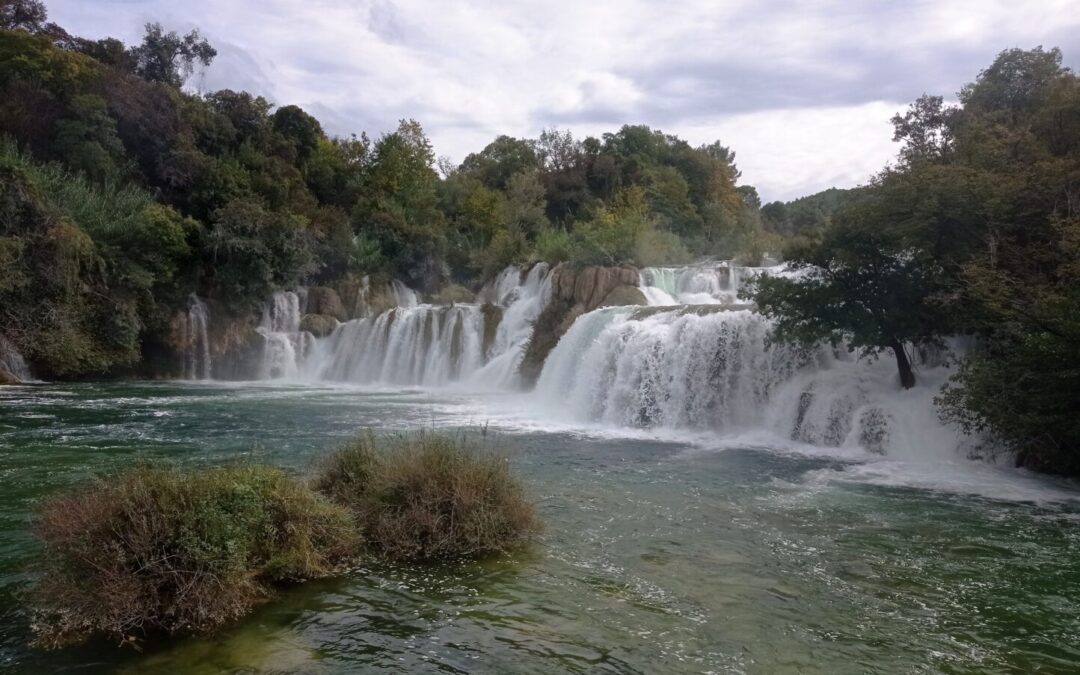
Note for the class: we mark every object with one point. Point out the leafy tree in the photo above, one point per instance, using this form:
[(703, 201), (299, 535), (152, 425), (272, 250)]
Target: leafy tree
[(861, 286), (168, 57), (300, 128), (28, 15), (500, 160)]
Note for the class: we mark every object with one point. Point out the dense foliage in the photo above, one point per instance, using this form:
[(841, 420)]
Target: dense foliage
[(225, 196), (975, 230), (165, 550)]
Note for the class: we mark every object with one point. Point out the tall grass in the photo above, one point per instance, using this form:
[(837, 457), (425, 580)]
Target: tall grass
[(428, 496), (160, 549)]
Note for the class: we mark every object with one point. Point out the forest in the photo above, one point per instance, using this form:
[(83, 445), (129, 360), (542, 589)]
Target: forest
[(122, 192)]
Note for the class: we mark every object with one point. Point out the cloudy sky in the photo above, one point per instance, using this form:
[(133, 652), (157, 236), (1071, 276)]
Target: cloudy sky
[(802, 90)]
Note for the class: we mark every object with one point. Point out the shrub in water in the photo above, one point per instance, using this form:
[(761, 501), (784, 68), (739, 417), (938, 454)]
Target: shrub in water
[(429, 497), (161, 549)]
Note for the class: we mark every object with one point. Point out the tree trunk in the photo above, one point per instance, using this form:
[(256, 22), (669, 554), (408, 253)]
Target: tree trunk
[(907, 376)]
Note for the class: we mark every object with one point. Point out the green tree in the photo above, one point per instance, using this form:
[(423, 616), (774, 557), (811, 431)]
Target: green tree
[(861, 286), (168, 57)]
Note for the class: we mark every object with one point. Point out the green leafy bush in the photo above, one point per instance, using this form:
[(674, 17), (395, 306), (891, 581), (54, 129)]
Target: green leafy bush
[(429, 497), (160, 549)]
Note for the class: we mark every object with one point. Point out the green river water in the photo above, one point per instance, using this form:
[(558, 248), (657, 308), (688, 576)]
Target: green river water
[(674, 556)]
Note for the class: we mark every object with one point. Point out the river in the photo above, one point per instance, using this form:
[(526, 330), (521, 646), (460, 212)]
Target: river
[(666, 549)]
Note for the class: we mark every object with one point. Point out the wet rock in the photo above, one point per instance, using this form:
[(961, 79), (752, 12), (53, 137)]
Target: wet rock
[(324, 300), (624, 295), (493, 315), (319, 325), (7, 378), (453, 293), (575, 292)]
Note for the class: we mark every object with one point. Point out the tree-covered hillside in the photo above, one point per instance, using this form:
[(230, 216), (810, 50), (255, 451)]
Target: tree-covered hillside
[(124, 193)]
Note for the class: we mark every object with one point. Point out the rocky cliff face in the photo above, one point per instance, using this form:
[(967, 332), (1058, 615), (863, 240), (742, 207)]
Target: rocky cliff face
[(575, 292)]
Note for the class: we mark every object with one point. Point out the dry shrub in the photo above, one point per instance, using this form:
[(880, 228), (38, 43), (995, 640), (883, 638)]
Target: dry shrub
[(165, 550), (429, 497)]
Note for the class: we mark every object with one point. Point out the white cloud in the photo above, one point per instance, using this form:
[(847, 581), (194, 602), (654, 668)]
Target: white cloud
[(800, 89)]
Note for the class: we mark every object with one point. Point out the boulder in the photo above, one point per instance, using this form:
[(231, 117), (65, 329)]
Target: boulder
[(575, 292), (319, 325), (493, 315), (621, 296), (453, 293), (324, 300), (7, 378)]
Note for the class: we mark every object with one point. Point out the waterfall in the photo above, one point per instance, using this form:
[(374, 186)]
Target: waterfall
[(420, 345), (523, 295), (435, 345), (286, 346), (197, 362), (403, 295), (12, 362), (711, 369), (715, 283)]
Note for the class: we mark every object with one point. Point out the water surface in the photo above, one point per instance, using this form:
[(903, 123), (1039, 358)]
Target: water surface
[(660, 554)]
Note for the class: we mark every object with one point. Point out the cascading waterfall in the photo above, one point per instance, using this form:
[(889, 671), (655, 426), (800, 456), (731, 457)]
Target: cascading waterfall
[(435, 345), (703, 369), (12, 362), (703, 284), (522, 300), (420, 345), (695, 360), (286, 345), (197, 364)]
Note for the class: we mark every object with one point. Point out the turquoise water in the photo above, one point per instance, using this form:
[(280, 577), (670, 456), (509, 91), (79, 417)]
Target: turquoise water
[(659, 555)]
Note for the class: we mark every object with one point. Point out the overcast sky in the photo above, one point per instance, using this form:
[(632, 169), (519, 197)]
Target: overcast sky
[(802, 91)]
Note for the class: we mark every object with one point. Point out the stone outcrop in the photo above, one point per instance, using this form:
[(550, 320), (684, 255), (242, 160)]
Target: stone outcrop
[(236, 347), (325, 301), (575, 292), (452, 294), (319, 325), (493, 315)]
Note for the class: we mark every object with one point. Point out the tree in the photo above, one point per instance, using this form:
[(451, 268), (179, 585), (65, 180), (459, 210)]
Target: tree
[(1024, 383), (302, 130), (500, 160), (28, 15), (860, 286), (169, 58), (926, 129)]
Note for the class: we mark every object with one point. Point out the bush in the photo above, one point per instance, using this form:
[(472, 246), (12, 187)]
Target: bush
[(160, 549), (429, 497)]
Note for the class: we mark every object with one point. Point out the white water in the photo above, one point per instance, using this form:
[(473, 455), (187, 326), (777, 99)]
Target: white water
[(522, 301), (716, 283), (433, 345), (421, 345), (13, 362), (197, 364), (286, 346), (684, 369), (713, 370)]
